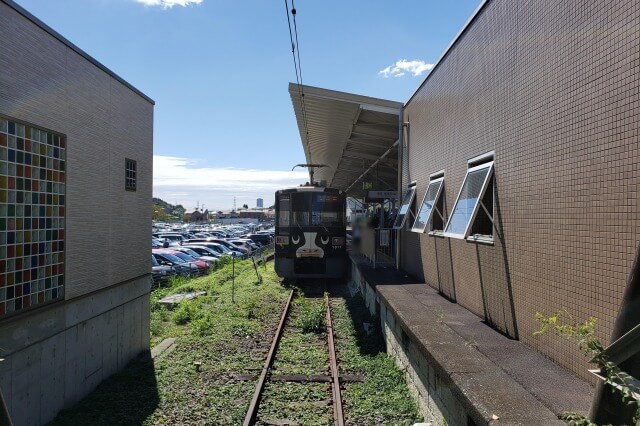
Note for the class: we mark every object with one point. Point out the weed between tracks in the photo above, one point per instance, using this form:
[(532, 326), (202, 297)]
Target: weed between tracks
[(302, 350)]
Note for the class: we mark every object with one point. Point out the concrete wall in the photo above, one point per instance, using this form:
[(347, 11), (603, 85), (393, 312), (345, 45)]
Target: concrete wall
[(433, 395), (56, 354), (553, 88)]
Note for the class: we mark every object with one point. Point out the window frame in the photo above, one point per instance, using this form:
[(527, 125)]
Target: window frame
[(412, 189), (485, 184), (130, 183), (282, 199), (435, 201)]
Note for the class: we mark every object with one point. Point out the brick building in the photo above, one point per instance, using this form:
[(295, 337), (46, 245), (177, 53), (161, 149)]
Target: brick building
[(518, 154), (76, 144), (550, 91)]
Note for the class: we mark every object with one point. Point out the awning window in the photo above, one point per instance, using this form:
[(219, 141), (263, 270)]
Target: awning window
[(405, 208), (470, 200), (427, 208)]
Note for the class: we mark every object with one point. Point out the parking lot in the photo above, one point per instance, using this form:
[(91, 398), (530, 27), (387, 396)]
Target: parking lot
[(182, 250)]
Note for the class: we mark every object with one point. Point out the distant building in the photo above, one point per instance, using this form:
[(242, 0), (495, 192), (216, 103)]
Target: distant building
[(76, 148), (253, 214), (260, 203)]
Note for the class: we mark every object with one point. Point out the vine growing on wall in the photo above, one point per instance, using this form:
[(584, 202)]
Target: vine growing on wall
[(584, 334)]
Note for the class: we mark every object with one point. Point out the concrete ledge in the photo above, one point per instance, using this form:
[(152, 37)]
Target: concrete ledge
[(485, 373)]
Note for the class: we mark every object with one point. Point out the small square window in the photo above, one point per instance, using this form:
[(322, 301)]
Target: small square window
[(472, 213), (405, 208), (130, 177), (429, 205)]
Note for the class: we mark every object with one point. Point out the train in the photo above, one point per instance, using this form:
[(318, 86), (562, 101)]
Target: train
[(311, 232)]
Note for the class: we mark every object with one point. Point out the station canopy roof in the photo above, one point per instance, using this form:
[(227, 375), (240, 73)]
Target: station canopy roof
[(355, 136)]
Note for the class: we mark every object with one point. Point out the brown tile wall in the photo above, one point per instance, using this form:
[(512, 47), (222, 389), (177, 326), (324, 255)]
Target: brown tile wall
[(46, 83), (553, 87)]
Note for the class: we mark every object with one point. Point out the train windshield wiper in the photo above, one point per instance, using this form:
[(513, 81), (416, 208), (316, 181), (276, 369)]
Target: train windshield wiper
[(325, 228)]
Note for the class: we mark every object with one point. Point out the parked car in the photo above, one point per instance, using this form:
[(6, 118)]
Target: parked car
[(231, 246), (156, 243), (160, 273), (228, 247), (224, 251), (262, 239), (251, 243), (204, 257), (174, 237), (182, 268), (203, 251), (203, 267), (243, 244)]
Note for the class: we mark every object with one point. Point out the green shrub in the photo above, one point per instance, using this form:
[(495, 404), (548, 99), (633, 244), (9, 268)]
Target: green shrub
[(186, 312), (204, 326)]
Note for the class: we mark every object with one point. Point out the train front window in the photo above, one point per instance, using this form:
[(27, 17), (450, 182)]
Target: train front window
[(300, 209), (327, 210), (284, 211)]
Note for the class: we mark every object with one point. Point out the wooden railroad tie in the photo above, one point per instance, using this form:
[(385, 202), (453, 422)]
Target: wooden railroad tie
[(303, 378)]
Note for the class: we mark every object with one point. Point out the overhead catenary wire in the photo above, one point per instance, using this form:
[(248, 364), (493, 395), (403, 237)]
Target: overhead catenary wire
[(297, 63)]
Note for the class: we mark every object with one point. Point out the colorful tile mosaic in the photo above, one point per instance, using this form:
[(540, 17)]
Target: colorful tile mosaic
[(32, 212)]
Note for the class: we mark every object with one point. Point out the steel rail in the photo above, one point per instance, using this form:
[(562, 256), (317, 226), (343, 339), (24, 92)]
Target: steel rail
[(338, 415), (255, 401)]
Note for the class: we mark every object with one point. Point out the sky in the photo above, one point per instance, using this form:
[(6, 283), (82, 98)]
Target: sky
[(218, 71)]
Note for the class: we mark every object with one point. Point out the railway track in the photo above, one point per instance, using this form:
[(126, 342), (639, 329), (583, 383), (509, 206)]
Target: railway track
[(266, 377)]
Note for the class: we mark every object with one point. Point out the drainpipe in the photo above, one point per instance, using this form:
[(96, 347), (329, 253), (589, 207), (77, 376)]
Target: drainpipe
[(402, 151), (607, 407)]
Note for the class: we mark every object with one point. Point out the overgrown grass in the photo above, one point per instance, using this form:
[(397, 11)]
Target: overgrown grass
[(228, 339), (383, 397)]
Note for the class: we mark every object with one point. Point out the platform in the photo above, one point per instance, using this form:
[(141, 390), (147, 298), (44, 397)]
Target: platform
[(460, 370)]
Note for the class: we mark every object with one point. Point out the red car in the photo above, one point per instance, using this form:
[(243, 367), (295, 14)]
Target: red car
[(203, 267)]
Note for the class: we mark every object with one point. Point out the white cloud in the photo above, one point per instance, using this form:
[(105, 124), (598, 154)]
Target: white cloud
[(403, 66), (181, 180), (167, 4)]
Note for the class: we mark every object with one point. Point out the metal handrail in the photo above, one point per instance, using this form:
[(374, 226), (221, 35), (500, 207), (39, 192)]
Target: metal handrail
[(625, 347)]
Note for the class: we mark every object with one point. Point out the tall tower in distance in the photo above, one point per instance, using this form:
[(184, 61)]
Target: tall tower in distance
[(259, 203)]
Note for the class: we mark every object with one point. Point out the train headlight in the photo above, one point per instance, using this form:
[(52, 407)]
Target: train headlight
[(338, 241), (282, 240)]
